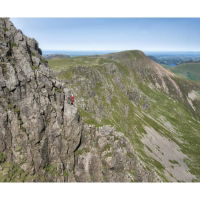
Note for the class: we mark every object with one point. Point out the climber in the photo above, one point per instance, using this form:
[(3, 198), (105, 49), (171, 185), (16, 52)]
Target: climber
[(72, 99)]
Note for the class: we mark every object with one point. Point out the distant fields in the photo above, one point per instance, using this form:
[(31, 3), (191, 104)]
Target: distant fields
[(190, 71)]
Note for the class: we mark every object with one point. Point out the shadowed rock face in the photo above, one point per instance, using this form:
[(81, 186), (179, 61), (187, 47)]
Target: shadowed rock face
[(42, 137)]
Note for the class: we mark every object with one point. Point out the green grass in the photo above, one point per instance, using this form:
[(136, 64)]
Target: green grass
[(58, 90), (51, 169), (2, 157), (88, 117), (13, 173), (6, 29), (35, 68), (82, 151), (13, 45)]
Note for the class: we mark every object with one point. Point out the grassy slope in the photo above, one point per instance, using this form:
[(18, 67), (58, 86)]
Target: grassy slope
[(102, 99), (190, 71)]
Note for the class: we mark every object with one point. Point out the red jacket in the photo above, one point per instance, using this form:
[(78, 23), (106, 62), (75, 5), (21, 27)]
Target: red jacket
[(72, 99)]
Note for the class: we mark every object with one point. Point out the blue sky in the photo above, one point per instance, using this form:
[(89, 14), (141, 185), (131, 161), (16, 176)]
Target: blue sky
[(147, 34)]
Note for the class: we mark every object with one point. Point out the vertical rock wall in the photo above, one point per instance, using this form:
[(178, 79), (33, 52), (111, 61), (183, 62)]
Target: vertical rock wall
[(42, 137)]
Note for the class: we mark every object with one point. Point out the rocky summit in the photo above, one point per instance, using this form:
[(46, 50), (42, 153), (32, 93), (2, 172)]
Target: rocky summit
[(132, 120)]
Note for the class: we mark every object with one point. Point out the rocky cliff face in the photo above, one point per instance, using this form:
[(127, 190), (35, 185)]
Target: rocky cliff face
[(42, 137)]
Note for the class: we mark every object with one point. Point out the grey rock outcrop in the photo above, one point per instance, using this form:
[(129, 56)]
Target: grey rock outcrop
[(42, 137)]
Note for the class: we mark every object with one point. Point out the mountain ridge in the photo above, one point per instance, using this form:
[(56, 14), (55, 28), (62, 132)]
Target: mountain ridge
[(127, 123), (127, 87)]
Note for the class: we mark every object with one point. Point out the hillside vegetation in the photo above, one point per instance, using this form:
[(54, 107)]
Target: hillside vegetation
[(156, 110)]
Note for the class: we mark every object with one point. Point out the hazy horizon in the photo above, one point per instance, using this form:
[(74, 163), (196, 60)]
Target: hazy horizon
[(96, 52), (161, 51)]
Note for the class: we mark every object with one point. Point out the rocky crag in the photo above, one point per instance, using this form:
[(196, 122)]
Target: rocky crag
[(42, 137)]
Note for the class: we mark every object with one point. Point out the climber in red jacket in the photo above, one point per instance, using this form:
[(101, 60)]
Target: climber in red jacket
[(72, 99)]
